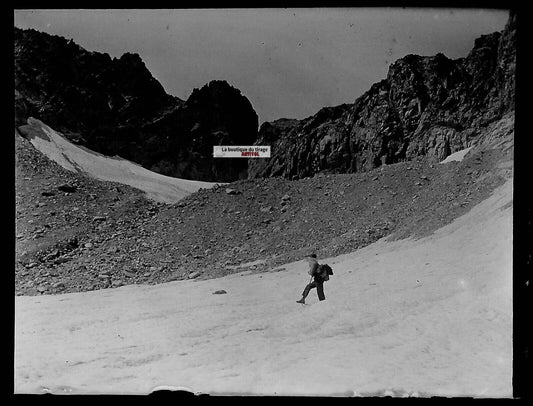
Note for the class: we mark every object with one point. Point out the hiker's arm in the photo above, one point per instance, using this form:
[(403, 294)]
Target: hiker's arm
[(313, 268)]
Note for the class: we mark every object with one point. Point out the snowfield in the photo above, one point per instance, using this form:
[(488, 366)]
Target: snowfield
[(424, 317), (456, 156), (80, 159)]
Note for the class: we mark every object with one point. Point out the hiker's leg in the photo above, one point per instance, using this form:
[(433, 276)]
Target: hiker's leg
[(308, 288), (320, 291)]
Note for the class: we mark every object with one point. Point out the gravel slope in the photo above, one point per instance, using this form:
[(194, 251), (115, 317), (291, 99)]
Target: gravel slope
[(103, 234)]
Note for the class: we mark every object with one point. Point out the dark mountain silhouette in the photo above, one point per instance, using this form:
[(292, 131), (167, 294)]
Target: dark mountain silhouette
[(116, 107), (428, 106)]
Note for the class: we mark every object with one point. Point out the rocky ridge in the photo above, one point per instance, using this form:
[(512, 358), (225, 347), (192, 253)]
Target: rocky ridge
[(426, 107), (116, 107)]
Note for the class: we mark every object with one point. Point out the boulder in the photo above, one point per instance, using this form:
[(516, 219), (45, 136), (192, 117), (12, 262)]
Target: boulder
[(193, 275), (67, 188)]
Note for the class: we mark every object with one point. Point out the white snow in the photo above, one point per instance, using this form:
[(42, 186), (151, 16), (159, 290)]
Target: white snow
[(430, 316), (157, 187), (456, 156)]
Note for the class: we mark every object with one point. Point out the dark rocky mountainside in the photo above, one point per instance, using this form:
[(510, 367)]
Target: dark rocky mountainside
[(427, 106), (116, 107)]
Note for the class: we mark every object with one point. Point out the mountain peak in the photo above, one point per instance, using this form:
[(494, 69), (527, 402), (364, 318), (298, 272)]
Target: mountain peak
[(115, 106), (428, 106)]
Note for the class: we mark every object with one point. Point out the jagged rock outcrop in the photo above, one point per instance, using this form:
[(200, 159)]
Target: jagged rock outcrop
[(116, 107), (216, 114), (427, 106)]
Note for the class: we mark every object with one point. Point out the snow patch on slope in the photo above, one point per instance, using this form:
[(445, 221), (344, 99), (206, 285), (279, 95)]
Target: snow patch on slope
[(456, 156), (431, 316), (74, 158)]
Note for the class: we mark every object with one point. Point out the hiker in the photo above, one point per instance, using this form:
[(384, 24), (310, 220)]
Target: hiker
[(318, 282)]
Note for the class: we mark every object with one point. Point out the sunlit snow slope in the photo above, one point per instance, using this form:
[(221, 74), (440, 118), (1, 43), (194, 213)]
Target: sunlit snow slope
[(424, 317), (157, 187), (456, 156)]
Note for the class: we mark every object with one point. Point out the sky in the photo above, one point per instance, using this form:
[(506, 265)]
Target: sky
[(288, 62)]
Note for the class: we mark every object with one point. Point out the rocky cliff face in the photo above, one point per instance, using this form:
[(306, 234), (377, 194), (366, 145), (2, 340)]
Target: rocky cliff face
[(116, 107), (427, 106)]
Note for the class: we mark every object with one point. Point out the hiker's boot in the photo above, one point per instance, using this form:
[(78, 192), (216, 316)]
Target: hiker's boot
[(302, 301)]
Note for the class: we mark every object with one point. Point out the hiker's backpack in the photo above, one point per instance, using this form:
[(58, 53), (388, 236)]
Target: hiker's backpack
[(324, 270)]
